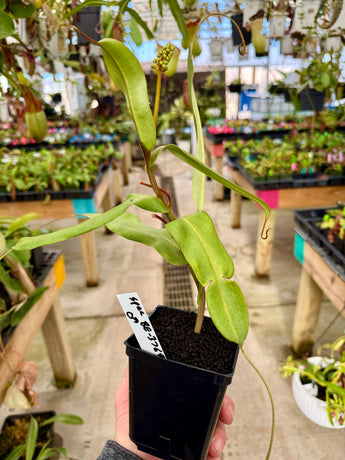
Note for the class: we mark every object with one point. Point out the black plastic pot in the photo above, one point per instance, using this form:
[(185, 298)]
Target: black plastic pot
[(45, 433), (88, 21), (312, 99), (235, 88), (236, 37), (174, 407)]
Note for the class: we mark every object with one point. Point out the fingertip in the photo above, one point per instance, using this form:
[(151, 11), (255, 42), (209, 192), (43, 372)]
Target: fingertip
[(227, 411)]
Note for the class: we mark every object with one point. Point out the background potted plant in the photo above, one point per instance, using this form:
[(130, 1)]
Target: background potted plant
[(318, 81), (32, 435), (319, 384), (189, 240)]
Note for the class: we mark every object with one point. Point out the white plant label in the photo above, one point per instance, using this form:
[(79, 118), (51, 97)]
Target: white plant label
[(140, 323)]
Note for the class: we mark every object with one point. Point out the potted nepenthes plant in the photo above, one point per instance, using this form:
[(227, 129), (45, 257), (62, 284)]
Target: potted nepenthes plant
[(182, 428), (32, 435), (318, 384)]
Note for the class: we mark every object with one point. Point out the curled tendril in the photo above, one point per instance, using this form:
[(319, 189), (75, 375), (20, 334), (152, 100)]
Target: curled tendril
[(242, 49), (264, 232)]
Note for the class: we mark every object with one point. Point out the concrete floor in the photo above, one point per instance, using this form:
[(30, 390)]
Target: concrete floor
[(97, 330)]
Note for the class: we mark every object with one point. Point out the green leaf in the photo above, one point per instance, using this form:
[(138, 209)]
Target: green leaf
[(126, 72), (71, 12), (31, 439), (135, 32), (140, 22), (21, 222), (2, 5), (51, 452), (147, 202), (325, 79), (3, 246), (198, 178), (33, 298), (200, 166), (129, 226), (16, 453), (7, 280), (6, 25), (21, 10), (213, 267), (5, 319), (178, 15), (69, 419)]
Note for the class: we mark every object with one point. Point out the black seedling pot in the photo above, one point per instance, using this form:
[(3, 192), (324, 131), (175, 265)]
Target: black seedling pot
[(174, 406)]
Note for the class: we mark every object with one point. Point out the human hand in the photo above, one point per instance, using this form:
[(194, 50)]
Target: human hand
[(122, 424)]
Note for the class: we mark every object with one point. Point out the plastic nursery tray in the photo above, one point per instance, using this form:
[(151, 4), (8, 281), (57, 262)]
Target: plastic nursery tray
[(219, 138), (262, 183), (307, 220), (295, 181), (56, 195)]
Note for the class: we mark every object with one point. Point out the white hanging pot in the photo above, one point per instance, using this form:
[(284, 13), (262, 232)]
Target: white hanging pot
[(251, 8), (277, 24), (312, 407), (229, 46), (305, 15), (4, 115), (55, 42), (58, 46), (332, 44), (286, 45), (216, 50), (28, 35)]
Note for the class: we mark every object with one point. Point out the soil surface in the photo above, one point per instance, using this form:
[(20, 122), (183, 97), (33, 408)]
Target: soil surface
[(207, 350)]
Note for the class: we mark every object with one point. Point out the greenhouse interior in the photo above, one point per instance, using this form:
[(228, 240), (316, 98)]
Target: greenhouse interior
[(172, 229)]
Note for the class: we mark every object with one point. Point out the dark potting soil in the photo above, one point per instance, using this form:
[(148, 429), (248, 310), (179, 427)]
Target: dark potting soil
[(207, 350)]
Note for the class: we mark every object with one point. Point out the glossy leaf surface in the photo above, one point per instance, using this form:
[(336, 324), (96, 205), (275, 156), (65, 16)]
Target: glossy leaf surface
[(147, 202), (130, 227), (213, 267), (126, 72)]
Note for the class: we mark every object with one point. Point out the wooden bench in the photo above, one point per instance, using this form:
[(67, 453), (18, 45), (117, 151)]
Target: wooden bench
[(318, 277), (47, 315), (288, 198), (107, 194)]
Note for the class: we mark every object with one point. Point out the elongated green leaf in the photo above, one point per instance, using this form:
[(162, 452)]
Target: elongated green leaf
[(178, 15), (125, 70), (3, 246), (31, 439), (140, 22), (68, 419), (130, 226), (21, 9), (135, 32), (8, 281), (6, 25), (195, 163), (21, 221), (108, 3), (148, 202), (198, 178), (19, 314), (213, 267), (51, 452), (5, 319), (16, 453)]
